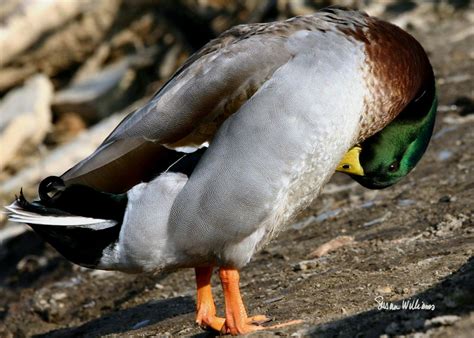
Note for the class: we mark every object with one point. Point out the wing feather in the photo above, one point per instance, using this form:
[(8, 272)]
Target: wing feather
[(187, 111)]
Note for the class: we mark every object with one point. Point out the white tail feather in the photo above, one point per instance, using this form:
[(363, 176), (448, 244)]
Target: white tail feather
[(17, 214)]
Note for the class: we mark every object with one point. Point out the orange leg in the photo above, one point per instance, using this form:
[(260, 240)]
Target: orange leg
[(206, 310), (236, 319)]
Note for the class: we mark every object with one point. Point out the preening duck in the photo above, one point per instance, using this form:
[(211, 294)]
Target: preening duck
[(386, 157), (279, 105)]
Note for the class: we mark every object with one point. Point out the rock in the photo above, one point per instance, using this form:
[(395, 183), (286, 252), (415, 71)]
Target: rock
[(50, 309), (59, 295), (444, 155), (70, 43), (445, 199), (316, 219), (66, 128), (169, 63), (332, 245), (25, 117), (450, 224), (98, 94), (17, 32), (31, 263), (441, 321), (420, 17), (378, 220), (332, 188), (63, 157), (449, 119), (465, 104), (102, 274), (300, 333), (406, 202), (304, 223), (141, 324), (384, 289), (11, 231), (306, 265)]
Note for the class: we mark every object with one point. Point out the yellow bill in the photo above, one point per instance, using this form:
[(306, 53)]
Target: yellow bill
[(350, 163)]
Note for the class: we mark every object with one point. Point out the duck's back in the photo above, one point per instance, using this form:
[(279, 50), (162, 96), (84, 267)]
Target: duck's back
[(211, 86)]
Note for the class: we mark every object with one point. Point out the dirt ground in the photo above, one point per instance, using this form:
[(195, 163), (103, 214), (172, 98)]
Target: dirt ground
[(413, 241)]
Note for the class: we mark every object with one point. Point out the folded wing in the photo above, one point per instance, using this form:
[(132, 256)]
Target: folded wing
[(189, 108)]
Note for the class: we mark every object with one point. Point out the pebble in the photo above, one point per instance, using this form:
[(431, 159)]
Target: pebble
[(31, 262), (384, 289), (307, 264), (141, 324), (451, 223), (444, 155), (406, 202), (442, 320), (100, 274), (368, 204), (316, 219), (332, 245), (445, 199), (445, 129), (59, 295), (465, 103), (378, 220), (49, 308), (273, 300), (300, 333)]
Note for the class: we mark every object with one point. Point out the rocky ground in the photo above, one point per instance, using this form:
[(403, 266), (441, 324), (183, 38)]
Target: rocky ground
[(411, 242)]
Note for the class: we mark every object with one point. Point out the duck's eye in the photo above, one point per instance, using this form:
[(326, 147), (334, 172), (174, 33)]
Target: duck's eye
[(394, 166)]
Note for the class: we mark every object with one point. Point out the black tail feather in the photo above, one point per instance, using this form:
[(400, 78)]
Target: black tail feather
[(81, 245), (81, 200), (37, 207)]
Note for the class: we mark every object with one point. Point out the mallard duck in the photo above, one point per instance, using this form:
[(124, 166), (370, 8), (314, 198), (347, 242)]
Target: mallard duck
[(388, 156), (241, 138)]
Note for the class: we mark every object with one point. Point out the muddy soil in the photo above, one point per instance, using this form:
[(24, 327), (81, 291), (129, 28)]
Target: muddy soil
[(413, 242)]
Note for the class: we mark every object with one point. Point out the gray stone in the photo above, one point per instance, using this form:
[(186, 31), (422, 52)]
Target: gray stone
[(25, 117)]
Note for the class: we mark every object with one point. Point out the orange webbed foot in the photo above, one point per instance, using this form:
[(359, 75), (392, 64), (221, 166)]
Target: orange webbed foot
[(206, 309), (236, 320), (210, 322), (250, 326)]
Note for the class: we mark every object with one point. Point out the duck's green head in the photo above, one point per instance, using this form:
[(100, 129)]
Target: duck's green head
[(385, 158)]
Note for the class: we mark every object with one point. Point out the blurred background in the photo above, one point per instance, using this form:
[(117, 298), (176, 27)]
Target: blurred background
[(70, 70)]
